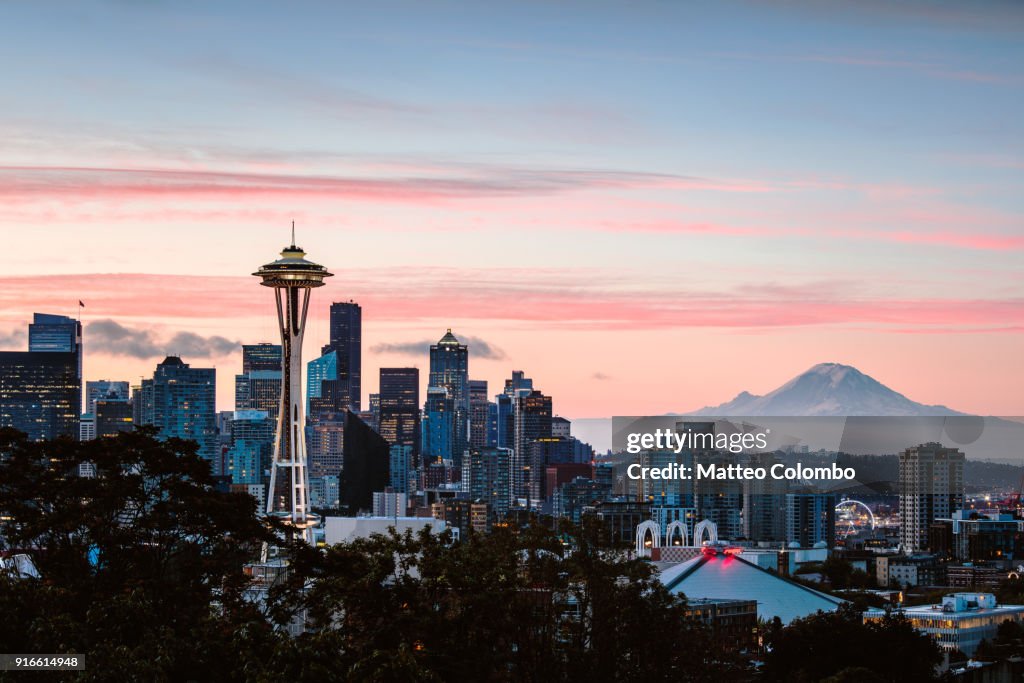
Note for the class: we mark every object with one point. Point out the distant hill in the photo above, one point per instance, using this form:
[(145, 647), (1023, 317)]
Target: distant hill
[(826, 389), (978, 474)]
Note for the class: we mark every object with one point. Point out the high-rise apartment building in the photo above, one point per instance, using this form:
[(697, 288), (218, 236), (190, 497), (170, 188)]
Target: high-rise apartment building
[(931, 483), (764, 503), (478, 413), (489, 471), (180, 401), (811, 519)]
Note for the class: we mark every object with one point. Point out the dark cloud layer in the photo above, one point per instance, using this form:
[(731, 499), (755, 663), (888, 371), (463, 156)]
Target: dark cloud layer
[(478, 348), (114, 339), (13, 341)]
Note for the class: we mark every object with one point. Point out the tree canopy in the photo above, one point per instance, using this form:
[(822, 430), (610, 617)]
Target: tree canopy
[(142, 569), (836, 645)]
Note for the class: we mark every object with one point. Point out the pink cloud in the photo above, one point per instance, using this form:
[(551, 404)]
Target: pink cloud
[(967, 240), (549, 299), (990, 242), (125, 184)]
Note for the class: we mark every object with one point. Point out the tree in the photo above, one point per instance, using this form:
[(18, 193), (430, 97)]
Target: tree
[(528, 605), (141, 565), (838, 571), (855, 674), (827, 643)]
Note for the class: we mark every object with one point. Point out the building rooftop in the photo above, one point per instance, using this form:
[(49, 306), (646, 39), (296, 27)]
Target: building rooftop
[(955, 606), (731, 577), (448, 338)]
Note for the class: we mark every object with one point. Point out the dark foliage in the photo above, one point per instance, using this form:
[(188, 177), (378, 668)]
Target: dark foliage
[(142, 570), (838, 644)]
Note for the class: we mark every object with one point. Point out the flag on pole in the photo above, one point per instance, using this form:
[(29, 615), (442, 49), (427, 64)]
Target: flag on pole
[(80, 304)]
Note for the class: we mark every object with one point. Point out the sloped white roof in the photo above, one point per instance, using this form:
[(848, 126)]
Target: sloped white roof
[(732, 577)]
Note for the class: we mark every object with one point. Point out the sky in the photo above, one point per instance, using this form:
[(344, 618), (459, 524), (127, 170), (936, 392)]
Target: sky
[(648, 207)]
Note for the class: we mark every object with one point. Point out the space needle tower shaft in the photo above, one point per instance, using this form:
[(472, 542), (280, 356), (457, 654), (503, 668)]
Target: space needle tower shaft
[(292, 278)]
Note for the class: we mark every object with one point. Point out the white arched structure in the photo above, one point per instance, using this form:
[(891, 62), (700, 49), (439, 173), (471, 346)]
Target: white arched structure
[(648, 530), (856, 503), (680, 526), (706, 526)]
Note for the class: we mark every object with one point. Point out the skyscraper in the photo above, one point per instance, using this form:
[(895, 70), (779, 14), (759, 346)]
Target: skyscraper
[(326, 439), (931, 482), (492, 425), (112, 416), (540, 453), (764, 503), (180, 401), (477, 413), (532, 421), (504, 421), (400, 469), (318, 371), (373, 412), (292, 278), (400, 408), (717, 500), (41, 389), (438, 425), (810, 519), (252, 446), (346, 338), (449, 369), (365, 465), (262, 356), (54, 333), (104, 389), (259, 385), (489, 470), (40, 393)]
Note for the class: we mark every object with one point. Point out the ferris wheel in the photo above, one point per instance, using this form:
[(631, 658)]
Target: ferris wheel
[(853, 516)]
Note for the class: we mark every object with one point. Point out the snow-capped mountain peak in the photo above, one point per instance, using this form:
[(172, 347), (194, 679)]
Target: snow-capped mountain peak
[(826, 389)]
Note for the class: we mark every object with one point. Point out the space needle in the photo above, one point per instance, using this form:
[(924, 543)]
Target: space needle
[(292, 277)]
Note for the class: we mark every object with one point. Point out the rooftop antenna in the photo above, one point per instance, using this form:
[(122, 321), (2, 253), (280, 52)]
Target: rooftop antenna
[(293, 233)]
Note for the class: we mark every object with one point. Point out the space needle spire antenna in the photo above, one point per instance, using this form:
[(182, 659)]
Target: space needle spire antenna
[(292, 277)]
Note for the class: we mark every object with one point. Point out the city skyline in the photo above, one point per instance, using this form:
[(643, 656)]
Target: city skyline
[(637, 209)]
